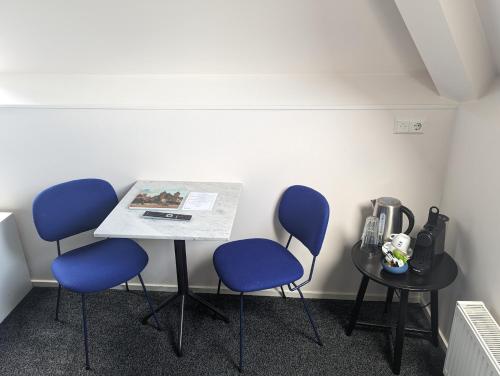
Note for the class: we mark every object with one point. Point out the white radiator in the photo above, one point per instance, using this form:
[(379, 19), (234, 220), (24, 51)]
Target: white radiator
[(474, 345)]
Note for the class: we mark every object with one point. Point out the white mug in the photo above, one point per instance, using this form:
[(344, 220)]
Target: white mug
[(401, 241)]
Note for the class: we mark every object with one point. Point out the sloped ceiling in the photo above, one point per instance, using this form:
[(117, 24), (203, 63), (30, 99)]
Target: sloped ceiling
[(205, 37), (489, 10)]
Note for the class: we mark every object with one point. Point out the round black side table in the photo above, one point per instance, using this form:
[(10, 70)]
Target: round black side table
[(367, 261)]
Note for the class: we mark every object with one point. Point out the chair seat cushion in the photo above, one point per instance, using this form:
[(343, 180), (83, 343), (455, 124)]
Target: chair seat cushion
[(99, 266), (256, 264)]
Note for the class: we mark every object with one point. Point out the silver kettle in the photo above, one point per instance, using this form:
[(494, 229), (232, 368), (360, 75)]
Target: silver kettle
[(390, 211)]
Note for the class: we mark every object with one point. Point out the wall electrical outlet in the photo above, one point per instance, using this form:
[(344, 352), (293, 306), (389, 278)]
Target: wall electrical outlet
[(415, 126), (408, 126)]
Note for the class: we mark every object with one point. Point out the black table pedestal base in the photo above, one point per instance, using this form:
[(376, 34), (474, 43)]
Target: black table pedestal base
[(183, 292)]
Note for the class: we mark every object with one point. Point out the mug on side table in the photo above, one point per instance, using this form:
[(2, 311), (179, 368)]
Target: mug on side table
[(401, 241)]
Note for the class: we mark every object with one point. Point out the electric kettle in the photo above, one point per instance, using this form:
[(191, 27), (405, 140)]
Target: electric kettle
[(390, 211)]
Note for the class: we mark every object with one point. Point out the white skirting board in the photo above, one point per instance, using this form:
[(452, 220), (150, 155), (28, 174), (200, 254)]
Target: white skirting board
[(14, 275), (272, 292)]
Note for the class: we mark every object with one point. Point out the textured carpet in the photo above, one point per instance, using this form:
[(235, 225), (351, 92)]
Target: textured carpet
[(279, 339)]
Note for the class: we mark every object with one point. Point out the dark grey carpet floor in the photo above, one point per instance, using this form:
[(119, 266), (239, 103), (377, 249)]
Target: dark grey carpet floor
[(279, 341)]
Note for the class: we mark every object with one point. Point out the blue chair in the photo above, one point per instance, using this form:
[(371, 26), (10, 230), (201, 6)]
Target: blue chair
[(259, 264), (74, 207)]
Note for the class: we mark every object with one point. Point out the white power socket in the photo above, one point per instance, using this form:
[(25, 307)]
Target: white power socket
[(409, 126), (415, 126)]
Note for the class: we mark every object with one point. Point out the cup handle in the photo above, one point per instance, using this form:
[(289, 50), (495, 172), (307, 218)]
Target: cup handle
[(392, 236)]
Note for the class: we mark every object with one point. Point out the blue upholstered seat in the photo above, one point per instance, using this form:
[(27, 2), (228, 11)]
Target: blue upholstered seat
[(259, 264), (71, 208), (99, 266), (256, 264)]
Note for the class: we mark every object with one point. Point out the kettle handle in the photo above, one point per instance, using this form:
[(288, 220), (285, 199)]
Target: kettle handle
[(411, 218)]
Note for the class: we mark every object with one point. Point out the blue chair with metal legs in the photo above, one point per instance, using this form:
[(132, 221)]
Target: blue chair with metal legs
[(259, 264), (74, 207)]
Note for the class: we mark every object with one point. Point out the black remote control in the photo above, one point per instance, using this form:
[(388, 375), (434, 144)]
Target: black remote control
[(171, 216)]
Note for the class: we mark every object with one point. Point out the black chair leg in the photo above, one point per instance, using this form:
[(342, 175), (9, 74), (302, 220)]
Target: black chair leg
[(240, 368), (58, 301), (310, 318), (126, 287), (149, 302), (283, 292), (85, 335)]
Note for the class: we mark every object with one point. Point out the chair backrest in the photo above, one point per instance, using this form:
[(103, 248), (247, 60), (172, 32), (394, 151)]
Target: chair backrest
[(304, 213), (73, 207)]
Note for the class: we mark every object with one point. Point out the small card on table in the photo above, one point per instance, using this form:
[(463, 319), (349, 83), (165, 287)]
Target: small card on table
[(200, 201)]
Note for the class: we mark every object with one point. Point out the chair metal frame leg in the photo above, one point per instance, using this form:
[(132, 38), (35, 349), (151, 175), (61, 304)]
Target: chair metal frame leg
[(283, 292), (126, 287), (158, 326), (242, 332), (58, 243), (85, 334), (58, 301), (318, 338)]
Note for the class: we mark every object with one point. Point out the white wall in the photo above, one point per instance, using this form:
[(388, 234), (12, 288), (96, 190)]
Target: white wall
[(350, 156), (489, 10), (471, 200), (205, 37)]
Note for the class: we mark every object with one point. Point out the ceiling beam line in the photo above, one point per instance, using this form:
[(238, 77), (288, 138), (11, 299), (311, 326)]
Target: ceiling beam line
[(450, 38)]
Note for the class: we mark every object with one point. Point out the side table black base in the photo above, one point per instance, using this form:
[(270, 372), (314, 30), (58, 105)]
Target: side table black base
[(401, 329), (183, 292)]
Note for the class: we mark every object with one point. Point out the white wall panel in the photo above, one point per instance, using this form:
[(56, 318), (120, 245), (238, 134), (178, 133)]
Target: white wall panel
[(350, 156)]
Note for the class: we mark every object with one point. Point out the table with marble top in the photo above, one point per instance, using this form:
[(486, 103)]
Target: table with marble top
[(215, 224)]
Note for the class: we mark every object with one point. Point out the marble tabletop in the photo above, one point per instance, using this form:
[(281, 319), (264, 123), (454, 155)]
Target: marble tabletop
[(215, 224)]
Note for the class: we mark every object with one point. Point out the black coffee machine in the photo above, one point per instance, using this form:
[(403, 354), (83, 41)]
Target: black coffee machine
[(429, 246)]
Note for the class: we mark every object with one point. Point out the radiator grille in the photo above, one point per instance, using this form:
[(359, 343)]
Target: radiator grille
[(474, 347), (485, 326)]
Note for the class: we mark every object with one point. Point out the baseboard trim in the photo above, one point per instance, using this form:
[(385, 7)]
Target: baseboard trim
[(213, 290)]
